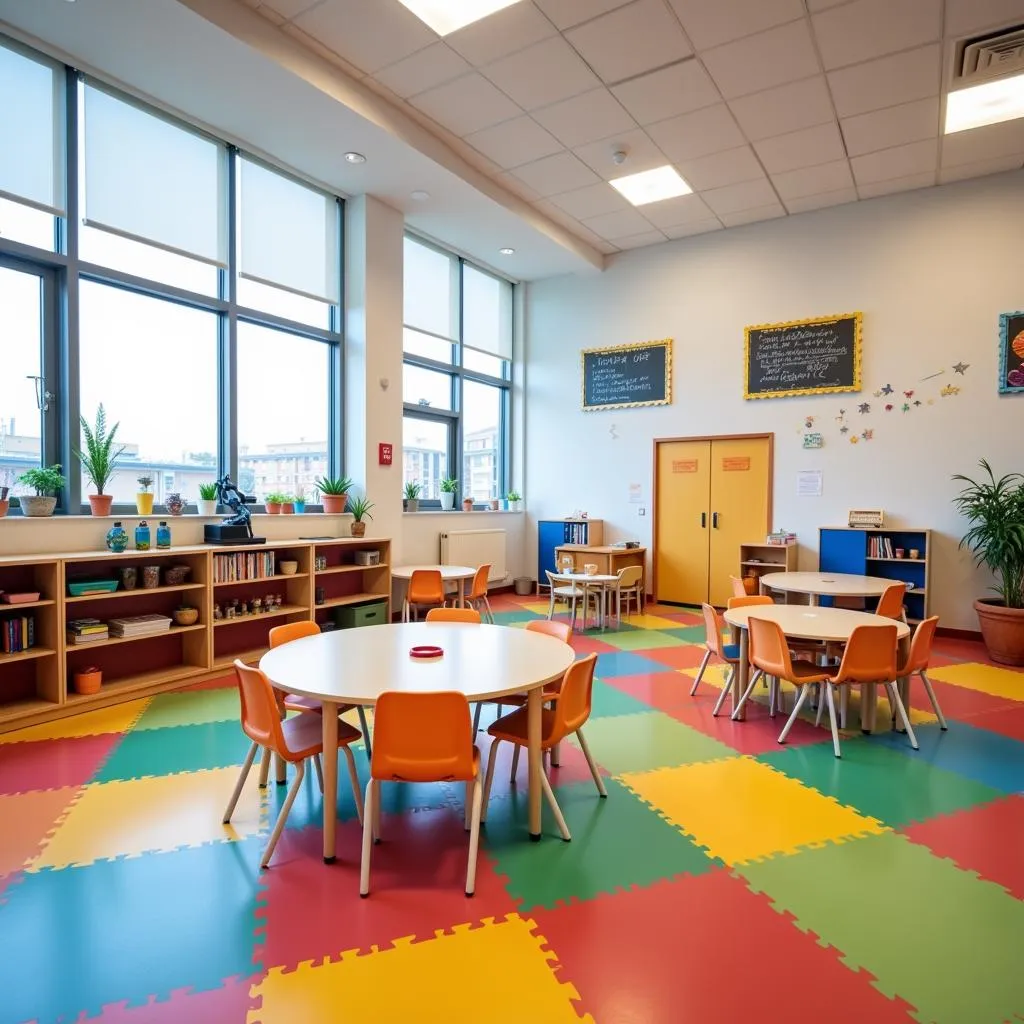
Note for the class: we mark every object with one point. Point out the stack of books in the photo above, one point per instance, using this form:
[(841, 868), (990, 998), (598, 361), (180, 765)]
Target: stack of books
[(84, 631), (139, 625), (17, 634)]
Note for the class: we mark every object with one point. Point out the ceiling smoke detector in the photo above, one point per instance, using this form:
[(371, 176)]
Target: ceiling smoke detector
[(619, 154)]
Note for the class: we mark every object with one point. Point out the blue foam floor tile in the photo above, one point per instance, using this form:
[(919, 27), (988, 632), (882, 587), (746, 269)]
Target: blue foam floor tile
[(625, 663)]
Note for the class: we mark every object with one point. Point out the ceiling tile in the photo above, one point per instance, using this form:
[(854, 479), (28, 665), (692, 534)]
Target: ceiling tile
[(586, 118), (499, 34), (662, 94), (891, 185), (745, 196), (315, 46), (370, 36), (542, 74), (720, 169), (711, 24), (559, 173), (433, 65), (590, 201), (641, 154), (810, 181), (987, 143), (752, 216), (566, 13), (787, 108), (822, 5), (466, 104), (982, 167), (514, 142), (697, 134), (780, 55), (700, 227), (520, 188), (639, 241), (818, 202), (900, 78), (630, 41), (620, 224), (966, 16), (804, 148), (679, 210), (288, 8), (882, 129), (901, 161), (872, 28)]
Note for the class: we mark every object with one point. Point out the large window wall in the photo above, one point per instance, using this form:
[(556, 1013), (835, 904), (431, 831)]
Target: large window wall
[(189, 287), (456, 375)]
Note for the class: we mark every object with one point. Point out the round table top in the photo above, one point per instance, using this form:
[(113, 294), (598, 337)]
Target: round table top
[(355, 666), (812, 623), (448, 572), (829, 584), (582, 577)]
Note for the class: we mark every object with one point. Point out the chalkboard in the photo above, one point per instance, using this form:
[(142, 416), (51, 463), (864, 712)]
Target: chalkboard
[(627, 376), (803, 357), (1011, 353)]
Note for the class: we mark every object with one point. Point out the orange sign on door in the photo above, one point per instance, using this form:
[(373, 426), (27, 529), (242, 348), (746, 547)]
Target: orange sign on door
[(736, 464), (684, 465)]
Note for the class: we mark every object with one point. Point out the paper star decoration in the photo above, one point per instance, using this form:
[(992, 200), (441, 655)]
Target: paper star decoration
[(887, 390), (960, 368), (854, 439), (844, 430), (949, 389), (809, 422), (908, 394), (888, 408), (864, 407), (906, 407), (868, 434), (917, 402)]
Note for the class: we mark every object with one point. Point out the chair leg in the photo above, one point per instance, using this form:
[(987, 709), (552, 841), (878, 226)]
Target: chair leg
[(376, 810), (365, 730), (467, 811), (474, 836), (476, 718), (598, 781), (491, 761), (515, 765), (832, 718), (555, 809), (743, 699), (242, 776), (933, 699), (265, 767), (555, 756), (897, 702), (364, 864), (844, 706), (319, 771), (700, 673), (804, 691), (353, 777), (551, 605), (490, 612), (821, 708), (293, 792), (726, 689)]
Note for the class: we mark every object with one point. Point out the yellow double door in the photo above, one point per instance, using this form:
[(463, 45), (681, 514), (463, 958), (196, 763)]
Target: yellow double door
[(712, 496)]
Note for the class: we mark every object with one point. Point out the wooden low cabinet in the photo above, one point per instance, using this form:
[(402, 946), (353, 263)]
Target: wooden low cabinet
[(609, 560)]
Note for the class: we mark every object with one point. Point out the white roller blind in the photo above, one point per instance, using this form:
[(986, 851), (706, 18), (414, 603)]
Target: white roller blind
[(151, 180), (486, 312), (430, 290), (289, 234), (31, 131)]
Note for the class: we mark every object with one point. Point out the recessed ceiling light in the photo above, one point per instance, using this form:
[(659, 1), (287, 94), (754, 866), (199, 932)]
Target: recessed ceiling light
[(445, 16), (355, 158), (506, 251), (419, 195), (989, 103), (651, 186)]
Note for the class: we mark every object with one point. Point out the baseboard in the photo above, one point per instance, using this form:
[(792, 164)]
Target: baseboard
[(958, 634)]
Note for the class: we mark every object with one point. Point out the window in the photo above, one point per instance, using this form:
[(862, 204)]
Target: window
[(425, 445), (483, 428)]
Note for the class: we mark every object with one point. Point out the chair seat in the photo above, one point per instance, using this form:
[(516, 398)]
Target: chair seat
[(514, 727), (413, 775), (303, 736), (568, 591), (731, 652), (806, 672), (295, 703)]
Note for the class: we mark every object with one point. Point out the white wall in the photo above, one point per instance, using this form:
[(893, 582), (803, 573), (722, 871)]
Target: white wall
[(931, 271)]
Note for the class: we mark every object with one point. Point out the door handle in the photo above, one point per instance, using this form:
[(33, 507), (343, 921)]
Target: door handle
[(714, 520), (703, 520)]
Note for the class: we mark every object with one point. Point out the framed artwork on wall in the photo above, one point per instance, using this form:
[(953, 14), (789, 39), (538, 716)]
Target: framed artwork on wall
[(1011, 353)]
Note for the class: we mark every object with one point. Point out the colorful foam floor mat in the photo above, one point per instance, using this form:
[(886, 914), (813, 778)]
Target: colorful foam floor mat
[(724, 879)]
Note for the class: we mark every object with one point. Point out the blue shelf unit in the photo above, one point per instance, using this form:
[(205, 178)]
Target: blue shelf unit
[(553, 533), (845, 549)]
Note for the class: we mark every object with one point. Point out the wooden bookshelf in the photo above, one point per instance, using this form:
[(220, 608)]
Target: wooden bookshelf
[(760, 560), (340, 581)]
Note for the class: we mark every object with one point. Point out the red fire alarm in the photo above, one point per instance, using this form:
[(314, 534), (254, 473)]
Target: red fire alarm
[(385, 453)]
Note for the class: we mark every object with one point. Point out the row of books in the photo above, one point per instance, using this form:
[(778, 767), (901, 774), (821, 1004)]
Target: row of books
[(245, 565), (84, 631), (17, 634), (880, 547), (576, 533)]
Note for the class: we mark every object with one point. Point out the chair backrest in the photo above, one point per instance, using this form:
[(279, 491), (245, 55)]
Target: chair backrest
[(630, 576), (769, 649), (572, 708), (890, 604), (713, 629), (422, 737), (558, 580), (748, 601), (426, 587), (559, 630), (261, 715), (292, 631), (920, 647), (479, 587), (870, 656), (454, 615), (738, 589)]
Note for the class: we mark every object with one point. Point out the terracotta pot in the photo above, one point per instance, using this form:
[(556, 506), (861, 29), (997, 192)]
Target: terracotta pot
[(334, 504), (100, 504), (358, 529), (88, 680), (1002, 629), (273, 508), (288, 508), (144, 503), (5, 505), (467, 504)]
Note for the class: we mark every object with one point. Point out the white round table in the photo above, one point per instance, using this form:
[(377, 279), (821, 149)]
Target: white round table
[(355, 666), (825, 584), (588, 581), (449, 574)]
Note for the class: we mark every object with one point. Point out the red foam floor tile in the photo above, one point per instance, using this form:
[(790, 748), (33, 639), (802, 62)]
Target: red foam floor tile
[(963, 650), (684, 656), (417, 880), (1007, 721), (583, 644), (53, 764), (988, 840), (658, 956), (572, 768), (226, 1005), (957, 701), (28, 818)]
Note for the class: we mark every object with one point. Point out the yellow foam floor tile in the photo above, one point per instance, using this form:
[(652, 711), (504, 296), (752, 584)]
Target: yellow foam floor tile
[(741, 810), (494, 972), (649, 621), (157, 814), (119, 718), (999, 682)]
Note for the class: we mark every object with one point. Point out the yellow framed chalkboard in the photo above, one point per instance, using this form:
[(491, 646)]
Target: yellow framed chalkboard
[(626, 376)]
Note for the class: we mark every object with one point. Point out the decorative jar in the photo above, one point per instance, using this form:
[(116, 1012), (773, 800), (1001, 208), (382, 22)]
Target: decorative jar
[(163, 535), (175, 503), (117, 538), (142, 536)]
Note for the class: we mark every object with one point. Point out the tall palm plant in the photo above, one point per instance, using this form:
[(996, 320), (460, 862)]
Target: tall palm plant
[(99, 459)]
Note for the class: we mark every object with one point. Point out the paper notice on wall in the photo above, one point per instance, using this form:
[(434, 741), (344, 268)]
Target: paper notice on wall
[(808, 483), (636, 494)]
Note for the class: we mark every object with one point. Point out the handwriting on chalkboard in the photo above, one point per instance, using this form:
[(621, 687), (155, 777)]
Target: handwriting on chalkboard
[(626, 376), (803, 357)]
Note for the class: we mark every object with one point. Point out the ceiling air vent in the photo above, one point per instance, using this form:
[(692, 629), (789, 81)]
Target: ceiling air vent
[(990, 56)]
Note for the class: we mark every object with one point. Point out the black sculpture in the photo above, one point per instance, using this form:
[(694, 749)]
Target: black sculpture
[(237, 527)]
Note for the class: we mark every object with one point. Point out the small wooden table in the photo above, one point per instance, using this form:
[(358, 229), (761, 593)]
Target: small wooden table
[(595, 581), (355, 666), (449, 574), (825, 584)]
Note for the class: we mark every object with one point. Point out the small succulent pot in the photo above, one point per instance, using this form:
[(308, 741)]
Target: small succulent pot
[(99, 504), (144, 503), (186, 616), (150, 577), (207, 508), (87, 680), (467, 504), (174, 503), (129, 577), (38, 504), (300, 508), (494, 504), (412, 504), (358, 529), (273, 508), (287, 508)]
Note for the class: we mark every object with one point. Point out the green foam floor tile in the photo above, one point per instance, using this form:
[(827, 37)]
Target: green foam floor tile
[(616, 843), (688, 634), (609, 701), (192, 707), (509, 618), (879, 781), (640, 639), (940, 938)]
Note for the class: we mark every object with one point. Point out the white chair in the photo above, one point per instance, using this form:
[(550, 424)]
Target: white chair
[(630, 586), (566, 590)]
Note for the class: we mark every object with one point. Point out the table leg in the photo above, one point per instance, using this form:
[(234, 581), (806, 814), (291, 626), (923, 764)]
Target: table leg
[(903, 683), (330, 735), (533, 731), (741, 675), (462, 593)]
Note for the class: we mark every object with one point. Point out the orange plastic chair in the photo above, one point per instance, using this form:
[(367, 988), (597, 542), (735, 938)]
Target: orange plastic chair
[(422, 737), (477, 596), (917, 662), (890, 604), (568, 716), (294, 739), (738, 589), (454, 615), (729, 653), (426, 587), (748, 600)]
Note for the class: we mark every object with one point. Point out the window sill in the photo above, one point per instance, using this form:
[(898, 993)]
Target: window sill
[(19, 517), (459, 512)]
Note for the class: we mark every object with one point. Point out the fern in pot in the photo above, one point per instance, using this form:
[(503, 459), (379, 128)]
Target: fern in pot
[(99, 458), (995, 511)]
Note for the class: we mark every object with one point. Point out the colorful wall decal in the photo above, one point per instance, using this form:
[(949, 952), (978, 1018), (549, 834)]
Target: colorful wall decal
[(960, 368), (932, 376), (867, 435), (950, 389), (813, 441), (864, 407), (1011, 353)]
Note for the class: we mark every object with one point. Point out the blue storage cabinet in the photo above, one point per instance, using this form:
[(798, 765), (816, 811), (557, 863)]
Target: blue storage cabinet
[(553, 533)]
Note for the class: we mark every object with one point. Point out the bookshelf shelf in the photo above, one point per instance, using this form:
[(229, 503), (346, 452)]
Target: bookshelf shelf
[(137, 592), (113, 641), (15, 609), (26, 655), (285, 609), (334, 570), (261, 579), (337, 602)]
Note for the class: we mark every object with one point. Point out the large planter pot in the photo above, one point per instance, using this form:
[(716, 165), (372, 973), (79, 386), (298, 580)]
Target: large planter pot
[(207, 508), (448, 500), (358, 529), (334, 504), (99, 504), (38, 505), (144, 503), (1002, 629)]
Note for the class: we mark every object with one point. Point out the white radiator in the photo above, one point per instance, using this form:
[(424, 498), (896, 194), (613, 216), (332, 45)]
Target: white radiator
[(476, 547)]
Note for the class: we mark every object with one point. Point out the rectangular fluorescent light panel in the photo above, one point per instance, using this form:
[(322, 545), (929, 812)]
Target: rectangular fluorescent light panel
[(989, 103), (651, 186), (445, 16)]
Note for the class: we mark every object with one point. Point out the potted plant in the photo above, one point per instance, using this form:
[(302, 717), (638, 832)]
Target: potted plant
[(207, 502), (412, 497), (46, 482), (4, 503), (273, 501), (360, 509), (287, 504), (99, 459), (515, 501), (143, 499), (995, 510), (334, 491), (467, 504), (448, 487), (300, 500)]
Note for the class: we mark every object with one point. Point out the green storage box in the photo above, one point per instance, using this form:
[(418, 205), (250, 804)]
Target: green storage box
[(372, 614)]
